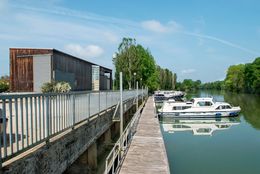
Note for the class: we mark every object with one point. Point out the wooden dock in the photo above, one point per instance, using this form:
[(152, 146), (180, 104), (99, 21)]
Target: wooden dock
[(147, 152)]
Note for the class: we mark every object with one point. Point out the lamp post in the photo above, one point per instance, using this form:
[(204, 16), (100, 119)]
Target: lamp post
[(134, 80)]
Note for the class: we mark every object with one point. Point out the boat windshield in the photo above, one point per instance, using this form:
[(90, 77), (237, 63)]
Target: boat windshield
[(205, 103)]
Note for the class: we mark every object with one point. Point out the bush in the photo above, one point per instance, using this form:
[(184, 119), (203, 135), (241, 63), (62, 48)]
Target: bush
[(4, 86), (58, 87), (62, 87)]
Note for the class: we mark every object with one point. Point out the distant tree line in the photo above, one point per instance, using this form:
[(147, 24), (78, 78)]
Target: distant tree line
[(167, 79), (213, 85), (240, 78), (188, 85), (138, 64)]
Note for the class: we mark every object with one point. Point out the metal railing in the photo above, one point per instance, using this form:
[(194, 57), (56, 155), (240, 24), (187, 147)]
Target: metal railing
[(118, 152), (29, 119)]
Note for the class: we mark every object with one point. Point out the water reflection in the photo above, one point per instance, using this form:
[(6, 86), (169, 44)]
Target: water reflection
[(198, 126), (250, 106)]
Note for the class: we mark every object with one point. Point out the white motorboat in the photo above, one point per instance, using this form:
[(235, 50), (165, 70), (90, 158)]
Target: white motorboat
[(198, 107), (160, 96)]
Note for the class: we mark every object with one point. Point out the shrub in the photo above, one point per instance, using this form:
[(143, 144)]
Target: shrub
[(48, 87), (58, 87), (4, 86), (62, 87)]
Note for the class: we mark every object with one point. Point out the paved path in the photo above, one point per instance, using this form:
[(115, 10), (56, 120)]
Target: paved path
[(147, 152)]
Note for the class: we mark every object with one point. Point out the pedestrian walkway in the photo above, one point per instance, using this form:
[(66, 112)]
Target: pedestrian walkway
[(147, 152)]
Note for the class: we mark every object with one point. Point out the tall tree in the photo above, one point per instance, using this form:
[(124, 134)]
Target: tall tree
[(235, 78), (136, 63)]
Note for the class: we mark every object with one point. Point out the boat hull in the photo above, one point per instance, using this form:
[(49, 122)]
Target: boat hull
[(199, 114)]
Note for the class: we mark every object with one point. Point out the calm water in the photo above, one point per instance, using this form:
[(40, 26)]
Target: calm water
[(216, 146)]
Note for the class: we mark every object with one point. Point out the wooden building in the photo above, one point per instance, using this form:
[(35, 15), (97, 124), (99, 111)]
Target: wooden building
[(30, 68)]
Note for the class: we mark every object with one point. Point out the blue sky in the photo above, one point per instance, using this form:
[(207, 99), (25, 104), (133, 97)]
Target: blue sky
[(197, 39)]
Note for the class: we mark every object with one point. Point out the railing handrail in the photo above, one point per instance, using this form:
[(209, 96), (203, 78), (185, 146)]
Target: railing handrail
[(49, 114), (36, 94)]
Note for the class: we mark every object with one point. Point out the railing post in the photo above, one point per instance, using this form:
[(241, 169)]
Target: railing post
[(106, 101), (2, 117), (98, 102), (47, 117), (88, 106), (121, 104), (142, 95), (73, 110)]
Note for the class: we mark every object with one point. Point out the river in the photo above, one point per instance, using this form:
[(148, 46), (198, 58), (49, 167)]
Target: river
[(216, 146)]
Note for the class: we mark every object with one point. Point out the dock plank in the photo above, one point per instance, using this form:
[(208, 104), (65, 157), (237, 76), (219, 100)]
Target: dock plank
[(147, 152)]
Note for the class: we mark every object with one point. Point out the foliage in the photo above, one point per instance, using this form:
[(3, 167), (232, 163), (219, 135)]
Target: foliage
[(235, 78), (252, 76), (240, 78), (213, 85), (58, 87), (167, 78), (137, 64), (4, 84), (188, 85), (62, 87)]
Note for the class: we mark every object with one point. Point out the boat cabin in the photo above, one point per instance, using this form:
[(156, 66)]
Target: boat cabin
[(198, 102)]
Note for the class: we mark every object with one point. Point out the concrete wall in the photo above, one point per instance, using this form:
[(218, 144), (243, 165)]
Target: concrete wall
[(41, 71)]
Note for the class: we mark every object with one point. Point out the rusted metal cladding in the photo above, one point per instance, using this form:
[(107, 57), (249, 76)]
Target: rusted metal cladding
[(21, 68)]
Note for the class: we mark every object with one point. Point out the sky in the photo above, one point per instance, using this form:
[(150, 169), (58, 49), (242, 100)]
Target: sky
[(197, 39)]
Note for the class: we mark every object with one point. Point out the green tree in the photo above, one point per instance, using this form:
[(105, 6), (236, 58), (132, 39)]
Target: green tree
[(235, 78), (134, 59), (252, 76)]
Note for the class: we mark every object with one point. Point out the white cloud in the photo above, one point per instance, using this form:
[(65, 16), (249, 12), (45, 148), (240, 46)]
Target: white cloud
[(89, 51), (157, 27), (225, 42), (188, 71), (154, 26)]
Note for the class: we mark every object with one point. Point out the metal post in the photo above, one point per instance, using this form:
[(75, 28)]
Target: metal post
[(136, 96), (47, 118), (98, 102), (73, 110), (121, 104), (88, 106), (142, 94)]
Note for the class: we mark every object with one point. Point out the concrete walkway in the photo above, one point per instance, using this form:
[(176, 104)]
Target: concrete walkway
[(147, 152)]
